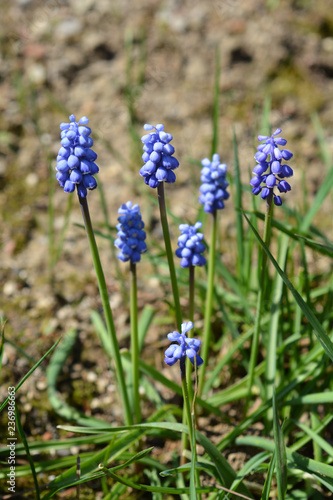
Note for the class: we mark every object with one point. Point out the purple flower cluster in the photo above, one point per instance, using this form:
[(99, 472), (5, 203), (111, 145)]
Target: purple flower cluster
[(270, 173), (191, 246), (159, 163), (214, 184), (131, 236), (75, 160), (187, 347)]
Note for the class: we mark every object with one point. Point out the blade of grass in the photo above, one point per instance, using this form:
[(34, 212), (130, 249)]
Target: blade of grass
[(281, 459), (238, 213), (323, 472), (265, 495), (318, 329), (30, 372), (323, 191), (271, 358), (27, 451)]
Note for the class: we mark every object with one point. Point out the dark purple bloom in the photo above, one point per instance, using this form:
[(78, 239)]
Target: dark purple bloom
[(214, 184), (75, 160), (191, 246), (269, 173), (131, 235), (158, 156), (187, 347)]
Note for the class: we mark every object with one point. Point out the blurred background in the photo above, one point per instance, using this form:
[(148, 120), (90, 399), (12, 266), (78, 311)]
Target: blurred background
[(125, 63)]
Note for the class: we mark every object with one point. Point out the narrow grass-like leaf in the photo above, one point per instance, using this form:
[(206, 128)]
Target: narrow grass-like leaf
[(311, 399), (238, 213), (226, 473), (323, 191), (30, 372), (27, 451), (324, 445), (271, 358), (292, 231), (249, 467), (318, 329), (120, 445), (153, 489), (145, 321), (323, 145), (265, 495), (320, 470), (281, 459)]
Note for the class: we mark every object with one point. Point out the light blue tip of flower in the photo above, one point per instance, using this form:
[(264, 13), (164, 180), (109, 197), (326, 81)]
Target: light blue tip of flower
[(131, 235), (187, 347), (75, 160)]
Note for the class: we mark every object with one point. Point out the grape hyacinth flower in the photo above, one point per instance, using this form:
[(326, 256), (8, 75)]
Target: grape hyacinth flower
[(270, 172), (214, 184), (191, 246), (159, 162), (187, 347), (131, 234), (75, 160)]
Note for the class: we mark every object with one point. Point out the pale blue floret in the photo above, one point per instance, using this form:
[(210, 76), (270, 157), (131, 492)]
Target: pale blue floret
[(186, 347), (131, 235), (75, 160), (270, 173)]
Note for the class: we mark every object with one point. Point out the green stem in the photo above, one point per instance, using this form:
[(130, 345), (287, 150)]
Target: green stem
[(187, 407), (188, 363), (166, 234), (209, 302), (107, 309), (135, 344), (119, 275), (260, 301), (191, 292)]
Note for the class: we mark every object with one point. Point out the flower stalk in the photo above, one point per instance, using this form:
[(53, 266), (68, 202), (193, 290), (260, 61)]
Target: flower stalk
[(168, 248), (135, 344), (209, 300), (107, 309)]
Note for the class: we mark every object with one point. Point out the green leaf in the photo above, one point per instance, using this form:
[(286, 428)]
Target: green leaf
[(281, 459), (323, 191), (30, 372), (318, 329), (323, 472), (268, 481), (28, 454)]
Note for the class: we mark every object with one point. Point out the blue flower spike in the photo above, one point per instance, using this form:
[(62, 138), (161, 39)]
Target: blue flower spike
[(269, 172), (214, 184), (187, 347), (76, 160), (158, 156), (131, 235), (191, 246)]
